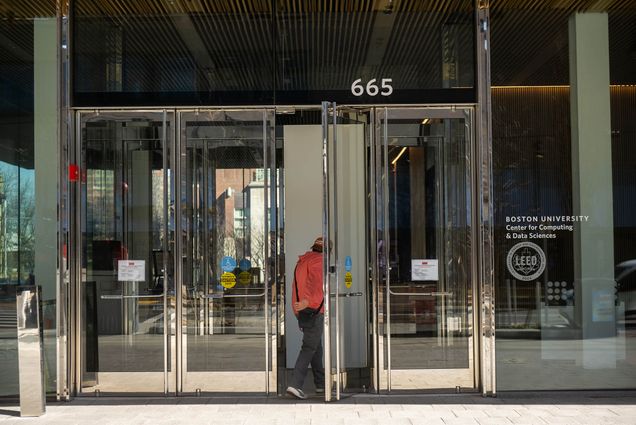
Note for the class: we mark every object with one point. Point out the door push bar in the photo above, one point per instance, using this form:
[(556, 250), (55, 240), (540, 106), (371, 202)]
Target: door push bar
[(423, 294), (121, 296), (220, 296), (348, 294)]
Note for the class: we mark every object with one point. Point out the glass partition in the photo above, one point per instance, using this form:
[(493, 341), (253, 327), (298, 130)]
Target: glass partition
[(425, 249), (124, 292), (29, 175), (226, 278), (564, 96)]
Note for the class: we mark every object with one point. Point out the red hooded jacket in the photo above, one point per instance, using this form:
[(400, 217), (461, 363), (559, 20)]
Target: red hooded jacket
[(309, 280)]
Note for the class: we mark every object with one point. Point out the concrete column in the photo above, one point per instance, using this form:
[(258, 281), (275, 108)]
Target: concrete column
[(592, 186), (45, 123)]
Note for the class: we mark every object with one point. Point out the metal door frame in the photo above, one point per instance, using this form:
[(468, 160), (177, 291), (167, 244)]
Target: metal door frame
[(331, 112), (377, 142), (268, 135), (82, 116), (381, 144), (481, 362)]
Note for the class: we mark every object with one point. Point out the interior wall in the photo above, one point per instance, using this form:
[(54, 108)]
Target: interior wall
[(303, 223), (302, 146)]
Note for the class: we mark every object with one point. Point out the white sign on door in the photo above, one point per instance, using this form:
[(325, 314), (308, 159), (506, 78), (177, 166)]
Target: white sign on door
[(131, 270), (424, 269)]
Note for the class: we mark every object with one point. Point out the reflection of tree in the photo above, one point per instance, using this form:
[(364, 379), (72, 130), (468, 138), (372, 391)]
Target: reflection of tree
[(235, 244), (17, 226)]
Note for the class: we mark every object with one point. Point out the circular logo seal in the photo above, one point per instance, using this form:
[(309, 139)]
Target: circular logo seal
[(526, 261)]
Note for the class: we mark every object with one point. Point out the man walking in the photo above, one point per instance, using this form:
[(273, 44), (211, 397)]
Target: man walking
[(308, 303)]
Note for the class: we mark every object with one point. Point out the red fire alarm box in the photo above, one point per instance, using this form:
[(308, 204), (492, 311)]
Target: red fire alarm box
[(73, 173)]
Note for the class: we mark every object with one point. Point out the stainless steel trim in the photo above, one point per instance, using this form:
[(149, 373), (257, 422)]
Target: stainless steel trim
[(272, 239), (483, 161), (205, 234), (336, 262), (64, 137), (325, 255), (267, 305), (373, 253), (178, 255), (474, 199), (387, 244), (166, 313), (75, 253)]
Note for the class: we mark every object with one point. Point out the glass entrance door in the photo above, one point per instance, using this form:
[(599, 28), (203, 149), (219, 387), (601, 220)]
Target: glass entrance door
[(226, 287), (346, 141), (425, 249), (124, 296)]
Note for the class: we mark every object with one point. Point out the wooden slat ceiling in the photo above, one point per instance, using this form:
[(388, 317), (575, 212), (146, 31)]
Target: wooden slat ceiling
[(529, 38), (318, 44)]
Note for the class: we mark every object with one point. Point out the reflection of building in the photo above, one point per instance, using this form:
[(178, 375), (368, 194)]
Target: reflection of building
[(239, 205)]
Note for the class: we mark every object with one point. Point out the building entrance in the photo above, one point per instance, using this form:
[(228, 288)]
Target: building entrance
[(190, 223)]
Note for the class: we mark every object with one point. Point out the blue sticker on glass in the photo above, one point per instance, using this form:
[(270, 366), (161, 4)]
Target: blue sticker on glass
[(348, 264), (245, 265), (228, 264)]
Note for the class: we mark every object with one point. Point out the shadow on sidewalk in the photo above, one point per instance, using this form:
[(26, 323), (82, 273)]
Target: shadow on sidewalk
[(506, 398)]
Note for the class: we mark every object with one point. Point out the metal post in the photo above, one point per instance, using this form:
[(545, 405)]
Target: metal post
[(373, 239), (326, 251), (177, 256), (267, 306), (336, 260), (30, 355), (387, 243), (483, 173)]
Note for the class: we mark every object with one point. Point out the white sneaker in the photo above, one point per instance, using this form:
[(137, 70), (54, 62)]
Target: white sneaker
[(296, 392), (320, 390)]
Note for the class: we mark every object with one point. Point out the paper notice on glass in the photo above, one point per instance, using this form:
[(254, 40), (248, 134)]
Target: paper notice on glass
[(424, 270), (131, 270)]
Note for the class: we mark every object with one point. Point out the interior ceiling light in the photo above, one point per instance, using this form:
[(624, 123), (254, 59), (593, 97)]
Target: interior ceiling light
[(398, 156)]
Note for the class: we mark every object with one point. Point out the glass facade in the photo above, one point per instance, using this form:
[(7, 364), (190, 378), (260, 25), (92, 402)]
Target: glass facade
[(563, 113), (28, 175)]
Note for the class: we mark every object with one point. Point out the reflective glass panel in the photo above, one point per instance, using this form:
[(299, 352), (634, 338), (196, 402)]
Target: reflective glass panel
[(123, 233), (29, 173), (226, 243), (427, 242), (564, 192)]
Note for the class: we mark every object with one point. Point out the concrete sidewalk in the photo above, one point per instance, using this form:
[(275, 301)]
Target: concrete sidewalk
[(512, 408)]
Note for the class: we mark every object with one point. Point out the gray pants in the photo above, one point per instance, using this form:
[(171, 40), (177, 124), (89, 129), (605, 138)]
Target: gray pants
[(310, 353)]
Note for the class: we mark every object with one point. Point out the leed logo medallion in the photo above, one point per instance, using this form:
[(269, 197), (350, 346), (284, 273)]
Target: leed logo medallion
[(526, 261)]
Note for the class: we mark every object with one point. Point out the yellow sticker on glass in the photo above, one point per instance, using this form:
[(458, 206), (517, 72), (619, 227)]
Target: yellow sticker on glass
[(348, 279), (245, 278), (228, 280)]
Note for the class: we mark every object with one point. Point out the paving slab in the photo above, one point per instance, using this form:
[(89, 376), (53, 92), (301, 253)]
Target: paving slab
[(529, 409)]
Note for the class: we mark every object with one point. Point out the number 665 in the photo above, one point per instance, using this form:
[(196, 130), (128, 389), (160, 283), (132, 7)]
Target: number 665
[(372, 89)]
